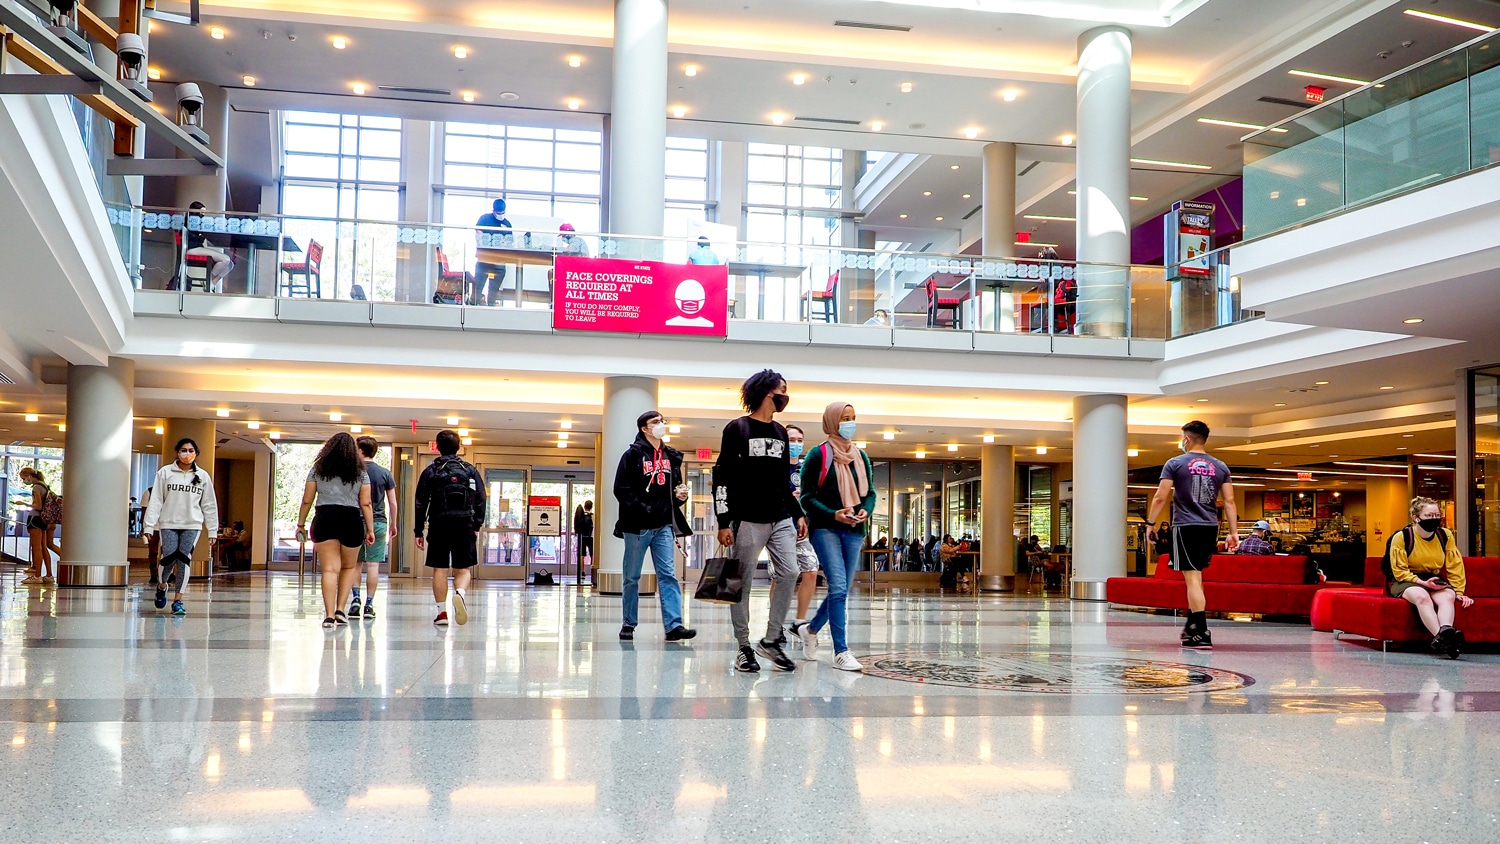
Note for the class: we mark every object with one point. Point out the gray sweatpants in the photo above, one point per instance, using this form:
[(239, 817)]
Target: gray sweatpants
[(780, 540)]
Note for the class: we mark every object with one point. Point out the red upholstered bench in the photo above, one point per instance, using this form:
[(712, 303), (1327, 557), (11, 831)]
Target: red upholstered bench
[(1376, 615), (1270, 585), (1322, 605)]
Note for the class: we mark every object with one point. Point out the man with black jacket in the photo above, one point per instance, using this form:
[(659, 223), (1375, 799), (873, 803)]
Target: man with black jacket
[(757, 509), (451, 496), (648, 485)]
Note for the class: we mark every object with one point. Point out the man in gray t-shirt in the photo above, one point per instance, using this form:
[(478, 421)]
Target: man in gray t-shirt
[(383, 503), (1194, 481)]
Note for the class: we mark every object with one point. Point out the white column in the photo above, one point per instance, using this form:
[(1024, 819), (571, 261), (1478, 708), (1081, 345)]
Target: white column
[(626, 397), (997, 508), (416, 262), (638, 119), (96, 475), (1099, 486), (1103, 179), (212, 191), (998, 199), (205, 433)]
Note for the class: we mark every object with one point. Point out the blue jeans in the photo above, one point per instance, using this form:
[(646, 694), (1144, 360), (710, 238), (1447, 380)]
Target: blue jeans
[(660, 542), (838, 554)]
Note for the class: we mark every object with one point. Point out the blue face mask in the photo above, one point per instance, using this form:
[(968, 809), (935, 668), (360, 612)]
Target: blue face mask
[(795, 449), (846, 430)]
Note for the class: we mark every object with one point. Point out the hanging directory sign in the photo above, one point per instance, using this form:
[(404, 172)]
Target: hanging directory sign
[(1189, 239)]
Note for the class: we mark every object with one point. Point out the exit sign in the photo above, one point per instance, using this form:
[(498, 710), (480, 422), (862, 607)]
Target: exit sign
[(1314, 93), (1304, 476), (705, 454)]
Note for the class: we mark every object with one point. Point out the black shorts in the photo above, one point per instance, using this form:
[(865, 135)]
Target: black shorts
[(1193, 546), (36, 523), (336, 521), (451, 547)]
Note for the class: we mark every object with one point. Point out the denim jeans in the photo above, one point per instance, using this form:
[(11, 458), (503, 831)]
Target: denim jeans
[(660, 542), (838, 554)]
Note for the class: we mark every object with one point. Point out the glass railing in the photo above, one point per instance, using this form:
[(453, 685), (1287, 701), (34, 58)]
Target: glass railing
[(292, 257), (1431, 121)]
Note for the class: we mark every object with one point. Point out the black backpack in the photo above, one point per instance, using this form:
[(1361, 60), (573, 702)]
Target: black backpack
[(1411, 541), (455, 488)]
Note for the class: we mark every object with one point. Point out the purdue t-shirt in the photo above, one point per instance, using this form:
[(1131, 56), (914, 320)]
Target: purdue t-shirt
[(1196, 479)]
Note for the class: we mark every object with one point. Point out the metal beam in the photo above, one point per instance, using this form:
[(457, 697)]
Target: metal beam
[(26, 26), (29, 55), (48, 83), (158, 167)]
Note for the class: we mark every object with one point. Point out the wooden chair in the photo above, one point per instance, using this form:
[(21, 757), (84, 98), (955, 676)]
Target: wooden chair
[(937, 303), (826, 300), (309, 270)]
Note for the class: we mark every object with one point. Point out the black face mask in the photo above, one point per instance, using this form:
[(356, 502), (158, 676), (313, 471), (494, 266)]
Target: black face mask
[(1429, 525), (779, 401)]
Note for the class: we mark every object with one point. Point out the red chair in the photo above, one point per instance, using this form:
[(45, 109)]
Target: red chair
[(937, 302), (451, 284), (184, 278), (309, 269), (827, 299)]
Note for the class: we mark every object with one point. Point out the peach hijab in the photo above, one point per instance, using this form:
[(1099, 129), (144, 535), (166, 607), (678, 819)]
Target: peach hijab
[(853, 486)]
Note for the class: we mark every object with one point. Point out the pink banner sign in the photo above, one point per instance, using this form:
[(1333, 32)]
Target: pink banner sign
[(645, 297)]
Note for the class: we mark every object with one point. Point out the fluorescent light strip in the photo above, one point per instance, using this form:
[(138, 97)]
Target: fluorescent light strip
[(1040, 243), (1051, 217), (1372, 465), (1132, 199), (1332, 472), (1327, 77), (1437, 456), (1437, 468), (1235, 124), (1160, 163), (1445, 19)]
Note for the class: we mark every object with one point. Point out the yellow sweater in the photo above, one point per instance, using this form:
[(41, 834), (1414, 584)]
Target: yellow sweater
[(1427, 559)]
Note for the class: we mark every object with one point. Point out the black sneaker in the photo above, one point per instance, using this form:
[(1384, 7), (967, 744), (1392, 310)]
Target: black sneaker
[(161, 597), (370, 610), (746, 661), (354, 608), (1199, 641), (680, 633), (777, 656), (340, 618), (1449, 642), (627, 633)]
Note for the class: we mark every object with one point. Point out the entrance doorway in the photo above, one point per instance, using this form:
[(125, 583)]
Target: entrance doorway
[(508, 551)]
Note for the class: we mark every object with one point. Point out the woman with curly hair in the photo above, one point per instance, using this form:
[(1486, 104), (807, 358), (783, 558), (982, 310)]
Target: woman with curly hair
[(344, 520)]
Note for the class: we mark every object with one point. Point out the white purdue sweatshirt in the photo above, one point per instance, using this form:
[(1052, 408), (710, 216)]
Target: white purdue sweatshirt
[(177, 503)]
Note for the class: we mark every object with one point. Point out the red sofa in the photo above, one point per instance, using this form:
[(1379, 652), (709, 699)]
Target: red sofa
[(1373, 583), (1270, 585), (1376, 615)]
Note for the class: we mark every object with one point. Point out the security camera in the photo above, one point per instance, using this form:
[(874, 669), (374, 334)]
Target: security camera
[(62, 24), (132, 52), (190, 111)]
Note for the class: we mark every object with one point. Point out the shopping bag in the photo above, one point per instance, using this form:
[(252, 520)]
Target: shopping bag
[(722, 581)]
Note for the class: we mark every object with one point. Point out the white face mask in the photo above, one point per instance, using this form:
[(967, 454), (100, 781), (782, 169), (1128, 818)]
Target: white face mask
[(1183, 444), (658, 430)]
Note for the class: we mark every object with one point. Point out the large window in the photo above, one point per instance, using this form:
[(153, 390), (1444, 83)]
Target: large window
[(345, 167), (688, 200), (538, 172), (794, 194)]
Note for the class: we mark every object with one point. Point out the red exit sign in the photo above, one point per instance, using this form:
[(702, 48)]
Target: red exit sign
[(1304, 476), (1314, 93), (705, 454)]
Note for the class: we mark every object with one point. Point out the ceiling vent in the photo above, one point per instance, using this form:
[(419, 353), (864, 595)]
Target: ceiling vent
[(400, 89), (5, 379), (833, 120), (886, 27), (1297, 104)]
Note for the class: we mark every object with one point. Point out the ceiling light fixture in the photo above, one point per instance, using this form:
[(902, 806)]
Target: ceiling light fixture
[(927, 193), (153, 73), (1051, 217), (1235, 124), (1187, 165), (953, 446), (468, 96), (467, 440), (562, 435), (968, 196), (356, 429), (1477, 27), (778, 118), (1009, 95), (248, 80), (989, 438), (1327, 77), (335, 417), (62, 427), (160, 430), (254, 426), (452, 420), (799, 78), (690, 70), (275, 435), (1041, 449), (1040, 244), (577, 61), (906, 87), (1388, 387), (889, 435), (358, 88), (903, 216), (1132, 452), (574, 103), (339, 42), (952, 166), (460, 52), (562, 443), (222, 413), (1412, 320), (920, 454), (1320, 383), (1067, 140), (674, 429), (1132, 199), (679, 111), (972, 132), (463, 432), (216, 33), (876, 125), (1202, 400), (938, 219), (566, 425)]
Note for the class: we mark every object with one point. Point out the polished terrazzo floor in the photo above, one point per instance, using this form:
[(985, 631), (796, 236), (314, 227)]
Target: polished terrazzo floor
[(245, 721)]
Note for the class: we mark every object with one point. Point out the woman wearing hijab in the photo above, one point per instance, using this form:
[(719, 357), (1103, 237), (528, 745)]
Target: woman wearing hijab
[(838, 496)]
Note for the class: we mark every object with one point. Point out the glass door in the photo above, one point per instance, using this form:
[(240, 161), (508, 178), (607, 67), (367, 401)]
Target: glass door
[(560, 554), (503, 543)]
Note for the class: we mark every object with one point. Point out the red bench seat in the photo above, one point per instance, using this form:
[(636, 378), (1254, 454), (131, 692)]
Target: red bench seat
[(1374, 614), (1263, 585)]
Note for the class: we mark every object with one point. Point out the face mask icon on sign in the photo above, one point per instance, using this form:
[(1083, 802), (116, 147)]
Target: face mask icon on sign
[(690, 297)]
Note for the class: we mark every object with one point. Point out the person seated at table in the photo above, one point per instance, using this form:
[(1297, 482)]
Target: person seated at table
[(913, 559), (200, 247), (489, 278), (881, 317), (703, 253), (571, 244), (1258, 542)]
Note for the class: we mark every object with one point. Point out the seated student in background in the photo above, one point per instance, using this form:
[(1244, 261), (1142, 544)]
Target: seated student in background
[(1258, 543), (703, 253), (200, 247), (489, 278)]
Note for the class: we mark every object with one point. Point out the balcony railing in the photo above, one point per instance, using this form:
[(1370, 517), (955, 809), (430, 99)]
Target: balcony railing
[(433, 265), (1433, 120)]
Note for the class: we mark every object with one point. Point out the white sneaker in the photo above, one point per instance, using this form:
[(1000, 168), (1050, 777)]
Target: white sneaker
[(809, 642), (845, 661)]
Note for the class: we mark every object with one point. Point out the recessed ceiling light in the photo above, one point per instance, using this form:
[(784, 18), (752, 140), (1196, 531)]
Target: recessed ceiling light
[(62, 427), (356, 429), (248, 80), (153, 73), (1327, 77), (1067, 140), (674, 429), (160, 430), (340, 42), (939, 219), (1132, 199), (903, 216), (577, 61), (1412, 320), (1281, 404), (452, 420), (1188, 165), (509, 95), (906, 87), (1388, 387), (799, 78), (574, 103), (1275, 462), (1320, 383), (335, 417), (989, 438), (1253, 453), (876, 125), (971, 132), (690, 70), (463, 432), (254, 426), (216, 33), (968, 196), (275, 435), (1009, 95), (32, 417), (861, 443), (358, 88), (468, 96), (1408, 436), (1202, 400), (1400, 448), (889, 435), (1132, 452), (1041, 449), (927, 193), (1314, 445), (679, 111), (1051, 217), (952, 166), (467, 440), (778, 118), (460, 52), (1235, 124), (953, 446), (222, 413), (1477, 27), (920, 454)]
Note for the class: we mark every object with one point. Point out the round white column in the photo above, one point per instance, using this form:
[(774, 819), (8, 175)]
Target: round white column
[(96, 475), (997, 509), (1103, 188), (1099, 486), (638, 119), (998, 200), (626, 397)]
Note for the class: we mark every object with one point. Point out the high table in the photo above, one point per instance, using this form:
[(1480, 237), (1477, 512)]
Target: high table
[(520, 258), (740, 269), (251, 243)]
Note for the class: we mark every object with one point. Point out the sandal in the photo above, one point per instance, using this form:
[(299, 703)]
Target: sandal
[(339, 617)]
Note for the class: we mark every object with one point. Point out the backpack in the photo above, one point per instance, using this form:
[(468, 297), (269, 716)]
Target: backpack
[(1411, 542), (455, 491), (824, 463), (52, 508)]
